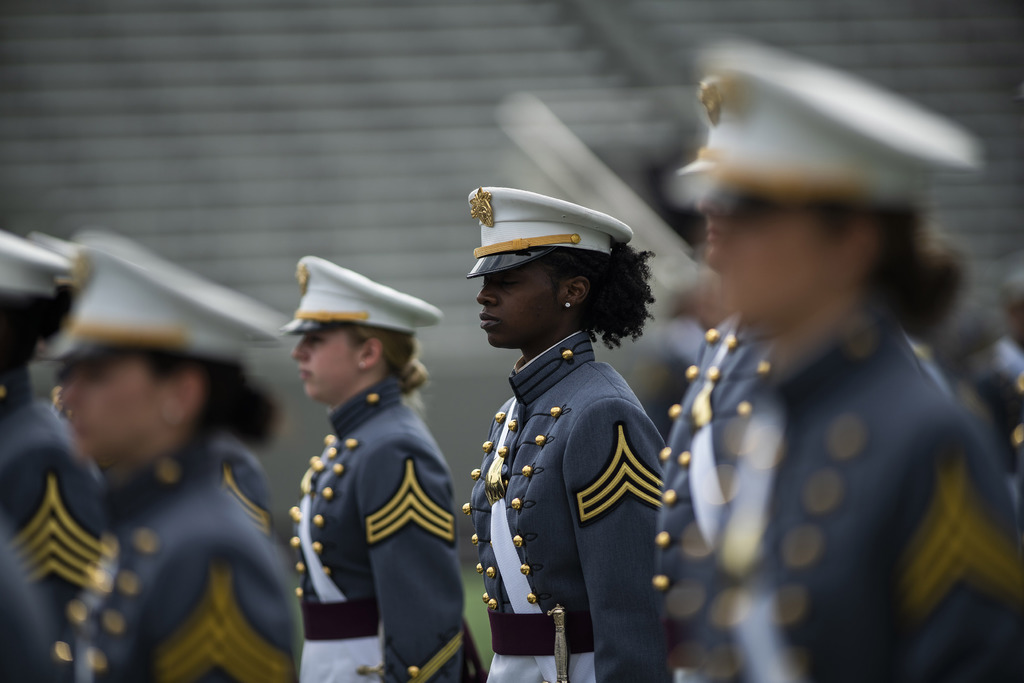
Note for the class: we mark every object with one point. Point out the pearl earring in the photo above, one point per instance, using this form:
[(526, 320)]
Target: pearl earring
[(567, 304)]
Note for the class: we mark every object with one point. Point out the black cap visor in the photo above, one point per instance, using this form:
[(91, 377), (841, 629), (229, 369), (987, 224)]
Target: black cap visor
[(495, 263)]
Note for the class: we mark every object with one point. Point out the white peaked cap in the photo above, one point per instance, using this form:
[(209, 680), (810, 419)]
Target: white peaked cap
[(332, 295), (517, 226), (794, 130), (28, 270), (131, 298)]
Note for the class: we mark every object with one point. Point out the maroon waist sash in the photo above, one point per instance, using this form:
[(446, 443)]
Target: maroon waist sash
[(340, 620), (534, 634)]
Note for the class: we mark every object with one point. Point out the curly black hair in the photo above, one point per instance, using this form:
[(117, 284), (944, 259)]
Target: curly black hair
[(620, 292)]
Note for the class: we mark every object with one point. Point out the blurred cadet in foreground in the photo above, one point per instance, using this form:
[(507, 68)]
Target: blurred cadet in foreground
[(869, 535), (566, 497), (381, 588), (186, 588), (24, 629), (50, 501), (659, 377)]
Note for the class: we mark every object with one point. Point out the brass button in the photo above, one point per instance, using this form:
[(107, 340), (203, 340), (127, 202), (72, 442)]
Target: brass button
[(332, 453), (744, 409), (330, 439), (474, 539), (763, 368), (803, 546), (479, 568), (467, 508), (295, 542), (566, 354), (492, 604), (513, 425), (317, 464), (685, 599), (693, 543), (327, 571), (1018, 436), (318, 547), (524, 569), (661, 582), (663, 539), (540, 440), (517, 541), (318, 520), (791, 605), (527, 471), (675, 411), (413, 671), (730, 607), (665, 453), (373, 399), (488, 445), (168, 471), (731, 342), (556, 411), (327, 493), (3, 392), (128, 583), (338, 469), (485, 598), (295, 513), (145, 541), (491, 572), (714, 374), (100, 580), (298, 591), (503, 451), (77, 612), (846, 437), (531, 598), (62, 652), (692, 373), (823, 492), (669, 497), (97, 660), (1020, 383), (351, 443), (300, 567), (499, 417), (516, 503), (113, 622), (684, 459), (475, 474), (712, 336)]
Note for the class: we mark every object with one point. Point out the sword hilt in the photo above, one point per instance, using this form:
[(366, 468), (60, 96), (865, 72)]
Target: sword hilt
[(561, 645)]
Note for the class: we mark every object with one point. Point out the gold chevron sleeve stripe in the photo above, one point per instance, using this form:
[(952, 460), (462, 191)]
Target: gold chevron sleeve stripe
[(217, 635), (53, 542), (957, 542), (439, 659), (410, 504), (257, 514), (625, 475)]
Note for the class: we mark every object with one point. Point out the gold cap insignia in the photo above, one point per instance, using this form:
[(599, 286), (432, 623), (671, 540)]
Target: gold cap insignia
[(480, 208), (302, 275), (81, 269), (711, 97)]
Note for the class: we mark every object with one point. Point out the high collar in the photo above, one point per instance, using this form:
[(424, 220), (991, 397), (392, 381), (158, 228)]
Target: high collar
[(362, 406), (868, 334), (15, 390), (160, 479), (551, 367)]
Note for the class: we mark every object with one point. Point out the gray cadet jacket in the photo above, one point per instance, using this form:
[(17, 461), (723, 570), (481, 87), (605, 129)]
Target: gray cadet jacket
[(384, 528), (583, 489)]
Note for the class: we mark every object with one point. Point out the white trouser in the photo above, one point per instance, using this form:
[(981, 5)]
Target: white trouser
[(524, 669), (336, 661)]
